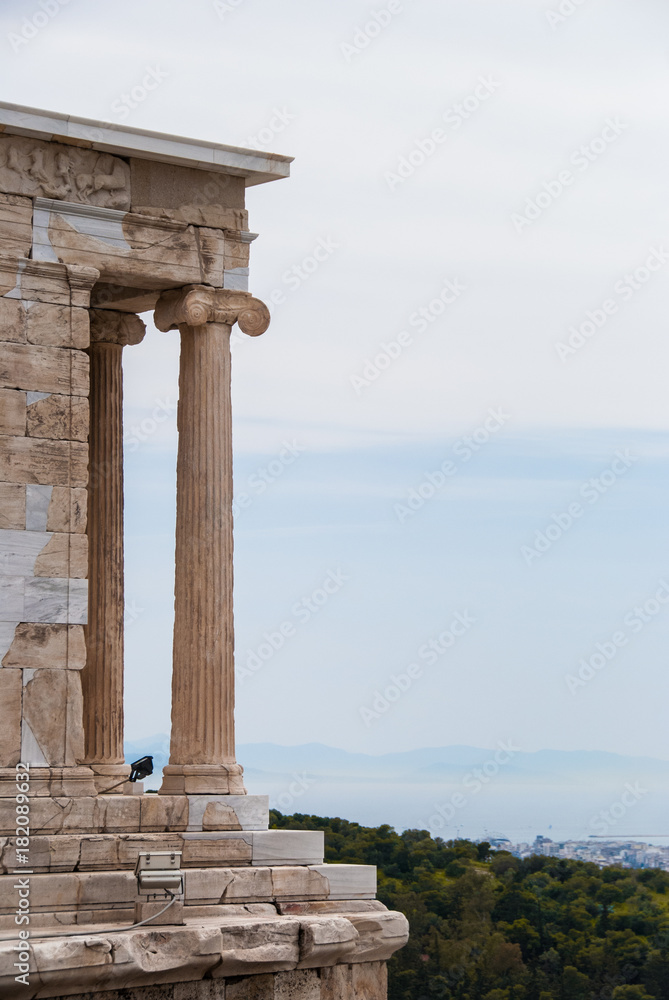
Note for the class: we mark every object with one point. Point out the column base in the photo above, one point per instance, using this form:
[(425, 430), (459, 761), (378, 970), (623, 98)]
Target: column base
[(108, 777), (56, 782), (203, 779)]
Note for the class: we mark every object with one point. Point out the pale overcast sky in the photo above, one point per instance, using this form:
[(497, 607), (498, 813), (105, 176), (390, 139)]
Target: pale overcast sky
[(486, 183)]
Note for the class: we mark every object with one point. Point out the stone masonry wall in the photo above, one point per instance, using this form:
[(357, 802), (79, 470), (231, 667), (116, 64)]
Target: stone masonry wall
[(44, 333), (366, 981)]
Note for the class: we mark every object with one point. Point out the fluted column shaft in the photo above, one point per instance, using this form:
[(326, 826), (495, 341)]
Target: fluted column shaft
[(102, 677), (203, 668), (202, 749)]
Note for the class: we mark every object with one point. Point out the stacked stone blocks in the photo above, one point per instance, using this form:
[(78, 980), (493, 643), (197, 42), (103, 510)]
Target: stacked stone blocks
[(44, 385)]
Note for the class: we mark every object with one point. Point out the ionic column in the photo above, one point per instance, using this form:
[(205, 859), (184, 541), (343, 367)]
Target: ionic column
[(202, 749), (102, 678)]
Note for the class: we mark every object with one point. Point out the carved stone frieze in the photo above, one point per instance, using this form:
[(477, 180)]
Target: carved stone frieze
[(34, 168)]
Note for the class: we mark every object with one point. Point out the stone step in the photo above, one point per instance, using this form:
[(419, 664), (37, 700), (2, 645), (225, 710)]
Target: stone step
[(217, 948), (216, 849), (74, 896), (136, 813)]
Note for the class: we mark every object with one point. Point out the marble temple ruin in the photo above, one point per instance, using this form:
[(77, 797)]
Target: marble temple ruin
[(99, 223)]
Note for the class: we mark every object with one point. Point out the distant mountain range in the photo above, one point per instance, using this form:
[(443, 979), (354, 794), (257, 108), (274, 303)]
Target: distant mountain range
[(430, 763), (506, 792)]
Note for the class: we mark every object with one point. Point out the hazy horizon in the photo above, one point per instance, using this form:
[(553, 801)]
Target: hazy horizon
[(457, 791)]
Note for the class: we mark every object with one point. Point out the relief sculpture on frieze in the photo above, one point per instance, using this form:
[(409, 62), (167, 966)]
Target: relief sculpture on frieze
[(68, 173)]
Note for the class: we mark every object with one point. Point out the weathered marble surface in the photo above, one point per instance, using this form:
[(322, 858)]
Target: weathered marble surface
[(206, 889), (229, 812), (64, 418), (219, 948), (102, 676), (12, 505), (358, 981), (43, 323), (219, 165), (44, 328), (44, 369), (49, 600), (202, 741), (19, 551), (119, 813), (33, 281), (15, 225), (349, 881), (35, 168), (37, 645), (38, 460), (12, 411), (140, 251), (290, 847), (59, 735), (10, 715), (38, 499)]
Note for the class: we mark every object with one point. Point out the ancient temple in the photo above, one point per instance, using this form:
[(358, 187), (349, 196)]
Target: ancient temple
[(98, 223)]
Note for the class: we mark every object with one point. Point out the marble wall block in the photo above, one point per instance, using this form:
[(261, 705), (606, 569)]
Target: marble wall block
[(12, 411), (12, 506), (67, 510), (64, 418), (15, 225), (44, 369), (52, 711), (43, 461), (10, 718), (36, 646), (43, 323)]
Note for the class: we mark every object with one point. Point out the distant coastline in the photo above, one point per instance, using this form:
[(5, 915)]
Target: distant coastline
[(563, 795)]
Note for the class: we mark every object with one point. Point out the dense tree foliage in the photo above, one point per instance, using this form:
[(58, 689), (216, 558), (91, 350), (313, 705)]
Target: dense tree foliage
[(487, 926)]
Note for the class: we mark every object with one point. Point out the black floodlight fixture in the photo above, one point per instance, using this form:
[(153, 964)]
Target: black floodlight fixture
[(141, 768)]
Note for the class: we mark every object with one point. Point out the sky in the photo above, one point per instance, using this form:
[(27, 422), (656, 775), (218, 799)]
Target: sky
[(458, 419)]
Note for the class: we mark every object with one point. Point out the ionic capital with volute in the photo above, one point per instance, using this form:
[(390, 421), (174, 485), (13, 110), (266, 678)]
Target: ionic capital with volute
[(110, 327), (198, 305)]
